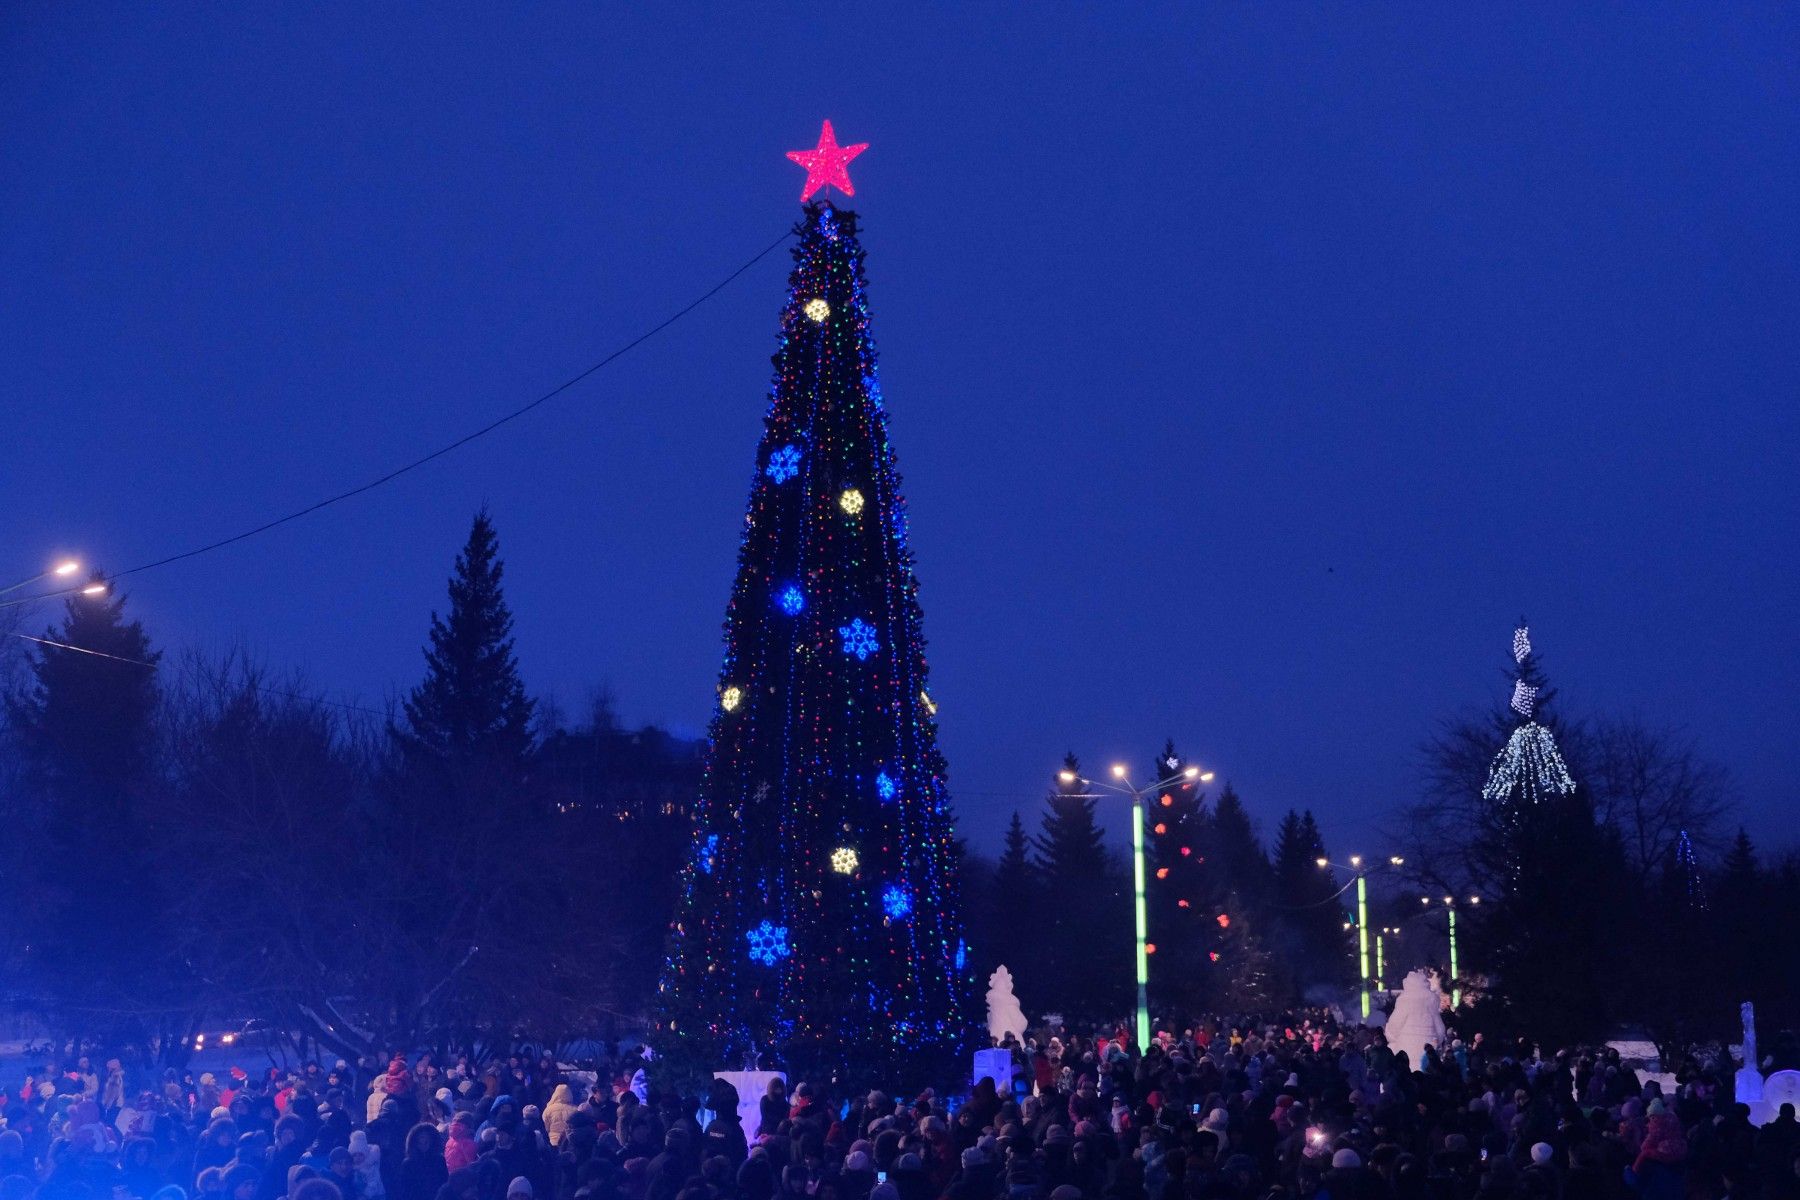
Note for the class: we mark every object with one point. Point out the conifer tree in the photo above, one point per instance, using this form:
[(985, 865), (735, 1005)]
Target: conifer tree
[(1740, 872), (461, 799), (1177, 889), (1235, 855), (1742, 915), (1308, 936), (1543, 938), (87, 737), (1251, 979), (1086, 913), (1015, 906), (1234, 877), (471, 706)]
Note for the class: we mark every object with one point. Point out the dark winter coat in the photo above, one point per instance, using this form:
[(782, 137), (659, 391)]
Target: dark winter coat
[(421, 1176)]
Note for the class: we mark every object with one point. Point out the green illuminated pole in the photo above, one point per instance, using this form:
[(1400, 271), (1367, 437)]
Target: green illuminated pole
[(1362, 936), (1137, 884), (1455, 974), (1380, 966)]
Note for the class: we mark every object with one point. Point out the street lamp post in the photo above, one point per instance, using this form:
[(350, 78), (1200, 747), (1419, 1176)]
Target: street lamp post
[(1362, 917), (1385, 932), (1455, 968), (61, 570), (1140, 909)]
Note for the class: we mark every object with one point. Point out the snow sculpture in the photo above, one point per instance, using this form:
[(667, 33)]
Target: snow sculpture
[(1418, 1018), (1004, 1014), (1782, 1087), (1749, 1076)]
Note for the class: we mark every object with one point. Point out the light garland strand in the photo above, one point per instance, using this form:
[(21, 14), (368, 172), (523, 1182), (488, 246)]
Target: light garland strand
[(1529, 767)]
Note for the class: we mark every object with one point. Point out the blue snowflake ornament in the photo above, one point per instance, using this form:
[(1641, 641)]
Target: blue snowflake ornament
[(784, 464), (792, 600), (895, 901), (859, 638), (768, 943), (707, 852), (885, 787)]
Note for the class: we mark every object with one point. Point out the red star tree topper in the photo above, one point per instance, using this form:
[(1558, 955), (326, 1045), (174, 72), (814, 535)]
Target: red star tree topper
[(827, 165)]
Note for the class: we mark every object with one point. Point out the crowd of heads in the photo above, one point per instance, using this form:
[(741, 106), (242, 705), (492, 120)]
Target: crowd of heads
[(1293, 1106)]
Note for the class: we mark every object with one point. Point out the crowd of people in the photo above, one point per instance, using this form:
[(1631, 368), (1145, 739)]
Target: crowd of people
[(1295, 1107)]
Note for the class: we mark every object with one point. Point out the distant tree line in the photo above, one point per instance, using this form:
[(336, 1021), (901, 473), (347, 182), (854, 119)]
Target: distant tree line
[(1233, 926), (1621, 904), (198, 843), (195, 842)]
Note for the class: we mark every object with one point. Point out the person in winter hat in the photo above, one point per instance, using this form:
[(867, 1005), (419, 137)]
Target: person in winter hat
[(459, 1142), (217, 1146), (1217, 1123), (1659, 1170), (376, 1097), (241, 1182), (422, 1167), (725, 1132), (365, 1158)]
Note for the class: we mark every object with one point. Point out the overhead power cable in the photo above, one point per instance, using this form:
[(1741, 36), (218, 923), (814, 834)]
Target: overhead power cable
[(460, 442)]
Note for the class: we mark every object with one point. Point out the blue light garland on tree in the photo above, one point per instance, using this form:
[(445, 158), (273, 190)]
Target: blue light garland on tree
[(825, 650)]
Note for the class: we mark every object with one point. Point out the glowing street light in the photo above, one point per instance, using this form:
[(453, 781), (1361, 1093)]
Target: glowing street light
[(1362, 917), (1140, 909), (61, 570), (1386, 931), (1455, 970)]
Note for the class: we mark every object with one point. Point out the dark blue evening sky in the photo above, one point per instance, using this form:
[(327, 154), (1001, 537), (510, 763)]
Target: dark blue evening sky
[(1251, 366)]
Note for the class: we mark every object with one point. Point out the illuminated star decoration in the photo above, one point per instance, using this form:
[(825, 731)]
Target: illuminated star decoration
[(827, 165), (768, 942), (859, 638)]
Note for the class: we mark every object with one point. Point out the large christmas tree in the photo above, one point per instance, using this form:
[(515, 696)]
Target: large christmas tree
[(818, 924)]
